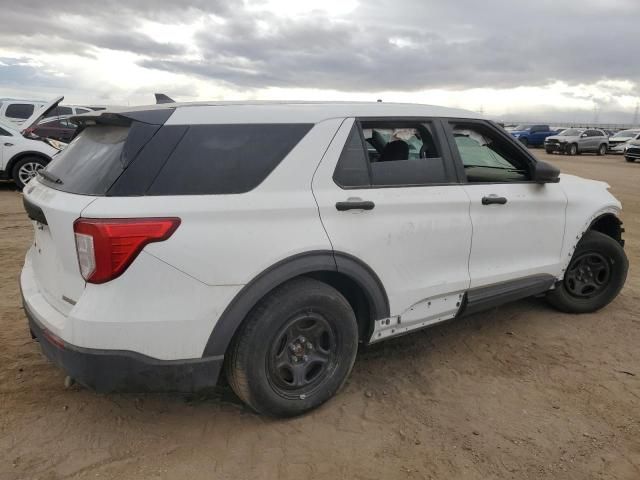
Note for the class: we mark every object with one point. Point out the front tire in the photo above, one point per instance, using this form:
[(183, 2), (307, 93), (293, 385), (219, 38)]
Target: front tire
[(595, 276), (26, 169), (629, 159), (548, 150), (295, 349), (572, 149), (602, 150), (525, 142)]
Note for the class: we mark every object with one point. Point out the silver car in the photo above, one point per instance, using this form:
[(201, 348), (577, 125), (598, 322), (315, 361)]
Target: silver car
[(574, 141)]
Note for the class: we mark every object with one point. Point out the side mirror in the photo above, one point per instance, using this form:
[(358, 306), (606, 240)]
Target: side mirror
[(544, 172)]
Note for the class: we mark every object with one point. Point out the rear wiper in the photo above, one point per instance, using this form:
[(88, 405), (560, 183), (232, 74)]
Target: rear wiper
[(50, 176)]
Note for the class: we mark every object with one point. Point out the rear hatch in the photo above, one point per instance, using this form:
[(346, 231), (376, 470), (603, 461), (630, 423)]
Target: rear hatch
[(80, 174)]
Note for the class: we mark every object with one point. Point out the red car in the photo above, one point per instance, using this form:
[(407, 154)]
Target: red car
[(58, 128)]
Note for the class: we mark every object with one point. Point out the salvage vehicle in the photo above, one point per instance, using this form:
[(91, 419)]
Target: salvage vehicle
[(57, 128), (267, 240), (22, 154), (618, 142), (632, 151), (575, 141), (532, 135)]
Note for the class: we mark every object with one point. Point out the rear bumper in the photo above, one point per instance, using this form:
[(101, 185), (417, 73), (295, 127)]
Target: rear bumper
[(116, 370)]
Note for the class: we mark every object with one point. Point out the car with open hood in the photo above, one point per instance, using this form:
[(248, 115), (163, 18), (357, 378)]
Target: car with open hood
[(23, 154)]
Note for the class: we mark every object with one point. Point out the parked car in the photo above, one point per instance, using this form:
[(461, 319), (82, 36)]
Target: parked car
[(619, 141), (532, 135), (58, 128), (23, 155), (575, 141), (632, 151), (268, 240), (17, 111)]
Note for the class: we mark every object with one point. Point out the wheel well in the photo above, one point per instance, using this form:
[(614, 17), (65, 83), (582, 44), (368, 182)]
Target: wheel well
[(354, 295), (22, 155), (610, 225)]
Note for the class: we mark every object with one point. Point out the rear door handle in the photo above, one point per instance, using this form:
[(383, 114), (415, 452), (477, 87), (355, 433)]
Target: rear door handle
[(355, 205), (493, 200)]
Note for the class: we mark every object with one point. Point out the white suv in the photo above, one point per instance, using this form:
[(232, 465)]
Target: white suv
[(267, 240)]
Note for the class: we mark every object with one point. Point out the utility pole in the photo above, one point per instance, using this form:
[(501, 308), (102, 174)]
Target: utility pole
[(636, 119)]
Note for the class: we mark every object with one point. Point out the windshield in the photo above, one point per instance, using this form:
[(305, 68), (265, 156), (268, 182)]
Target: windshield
[(627, 133), (522, 127), (571, 132)]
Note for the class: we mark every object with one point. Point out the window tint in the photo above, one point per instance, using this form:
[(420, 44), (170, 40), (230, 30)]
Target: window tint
[(352, 169), (91, 163), (4, 133), (19, 110), (59, 111), (487, 157), (223, 159), (82, 110)]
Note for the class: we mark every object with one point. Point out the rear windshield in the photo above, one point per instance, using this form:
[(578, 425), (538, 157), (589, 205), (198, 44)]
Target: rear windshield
[(91, 163), (147, 159)]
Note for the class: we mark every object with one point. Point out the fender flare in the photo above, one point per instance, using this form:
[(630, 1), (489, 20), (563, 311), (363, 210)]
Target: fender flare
[(287, 269)]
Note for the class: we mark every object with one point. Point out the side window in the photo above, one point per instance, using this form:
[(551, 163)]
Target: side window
[(353, 169), (403, 153), (487, 157), (21, 111), (4, 133), (80, 111), (59, 111), (225, 159)]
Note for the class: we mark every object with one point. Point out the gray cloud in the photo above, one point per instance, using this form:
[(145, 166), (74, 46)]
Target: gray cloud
[(382, 45)]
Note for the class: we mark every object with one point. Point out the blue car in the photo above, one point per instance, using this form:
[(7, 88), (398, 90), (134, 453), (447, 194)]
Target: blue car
[(533, 135)]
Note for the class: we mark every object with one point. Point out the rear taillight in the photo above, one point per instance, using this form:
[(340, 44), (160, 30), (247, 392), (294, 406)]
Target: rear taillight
[(106, 247)]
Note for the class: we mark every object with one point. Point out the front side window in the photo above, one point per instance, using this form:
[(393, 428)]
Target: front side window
[(21, 111), (487, 157), (391, 153)]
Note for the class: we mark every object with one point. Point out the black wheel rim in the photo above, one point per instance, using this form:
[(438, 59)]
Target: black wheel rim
[(302, 354), (588, 275)]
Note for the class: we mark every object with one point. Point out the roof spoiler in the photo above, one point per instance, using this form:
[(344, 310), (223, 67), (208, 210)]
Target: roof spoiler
[(162, 98)]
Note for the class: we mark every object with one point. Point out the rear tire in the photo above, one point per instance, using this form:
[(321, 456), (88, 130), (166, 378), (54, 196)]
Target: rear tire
[(602, 149), (26, 169), (295, 349), (595, 276)]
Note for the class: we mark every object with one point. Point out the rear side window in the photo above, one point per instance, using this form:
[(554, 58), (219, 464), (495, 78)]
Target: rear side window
[(21, 111), (224, 159), (91, 163)]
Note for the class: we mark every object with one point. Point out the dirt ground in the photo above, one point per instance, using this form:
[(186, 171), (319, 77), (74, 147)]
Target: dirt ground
[(519, 392)]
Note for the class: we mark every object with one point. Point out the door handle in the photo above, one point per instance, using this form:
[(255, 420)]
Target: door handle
[(7, 144), (493, 200), (355, 205)]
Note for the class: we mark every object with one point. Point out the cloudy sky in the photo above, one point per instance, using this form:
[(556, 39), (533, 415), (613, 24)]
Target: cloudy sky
[(552, 59)]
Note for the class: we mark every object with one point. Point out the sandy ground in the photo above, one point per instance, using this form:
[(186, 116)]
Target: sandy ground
[(519, 392)]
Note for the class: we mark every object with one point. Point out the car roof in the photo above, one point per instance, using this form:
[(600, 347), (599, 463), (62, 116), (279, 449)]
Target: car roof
[(289, 111)]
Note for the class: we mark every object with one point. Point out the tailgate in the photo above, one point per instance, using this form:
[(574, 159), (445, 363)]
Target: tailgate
[(53, 253)]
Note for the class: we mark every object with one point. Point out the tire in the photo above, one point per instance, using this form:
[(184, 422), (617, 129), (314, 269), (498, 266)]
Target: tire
[(524, 142), (548, 150), (602, 149), (301, 320), (629, 159), (595, 276), (572, 149), (25, 169)]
